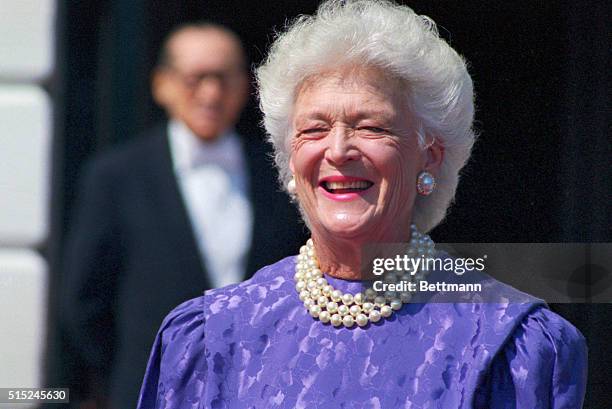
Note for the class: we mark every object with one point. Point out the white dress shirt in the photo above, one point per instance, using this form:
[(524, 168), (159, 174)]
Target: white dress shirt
[(213, 180)]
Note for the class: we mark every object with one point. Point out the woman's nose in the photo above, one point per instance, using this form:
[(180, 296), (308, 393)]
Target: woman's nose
[(341, 146)]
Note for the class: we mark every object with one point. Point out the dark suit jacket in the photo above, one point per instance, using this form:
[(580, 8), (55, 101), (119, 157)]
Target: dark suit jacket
[(131, 255)]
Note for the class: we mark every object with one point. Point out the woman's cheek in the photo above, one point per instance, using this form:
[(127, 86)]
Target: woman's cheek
[(307, 154), (400, 185), (297, 156), (296, 143)]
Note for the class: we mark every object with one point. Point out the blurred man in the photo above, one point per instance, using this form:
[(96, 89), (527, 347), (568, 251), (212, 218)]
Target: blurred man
[(183, 208)]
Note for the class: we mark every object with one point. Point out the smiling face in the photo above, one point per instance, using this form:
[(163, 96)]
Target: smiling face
[(355, 157)]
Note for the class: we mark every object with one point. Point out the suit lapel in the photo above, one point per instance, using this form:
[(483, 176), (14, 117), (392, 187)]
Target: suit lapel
[(172, 206)]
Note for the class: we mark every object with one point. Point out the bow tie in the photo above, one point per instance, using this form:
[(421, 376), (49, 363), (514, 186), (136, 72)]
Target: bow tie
[(223, 156)]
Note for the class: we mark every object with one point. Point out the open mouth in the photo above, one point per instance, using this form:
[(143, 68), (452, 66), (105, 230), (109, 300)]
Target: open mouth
[(353, 186)]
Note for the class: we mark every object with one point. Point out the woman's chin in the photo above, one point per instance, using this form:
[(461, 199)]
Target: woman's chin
[(348, 226)]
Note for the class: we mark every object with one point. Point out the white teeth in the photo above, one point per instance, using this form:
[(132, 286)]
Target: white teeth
[(358, 184)]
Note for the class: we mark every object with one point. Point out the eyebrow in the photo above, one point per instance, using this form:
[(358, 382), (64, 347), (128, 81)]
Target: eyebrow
[(359, 114)]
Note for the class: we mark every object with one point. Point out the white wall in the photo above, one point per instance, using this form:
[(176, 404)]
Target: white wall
[(27, 35)]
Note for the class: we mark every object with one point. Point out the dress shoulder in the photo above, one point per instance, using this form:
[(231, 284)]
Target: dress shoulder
[(175, 375), (267, 277), (542, 365)]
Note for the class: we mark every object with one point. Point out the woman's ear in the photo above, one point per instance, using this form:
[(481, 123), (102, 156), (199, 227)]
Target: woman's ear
[(434, 156)]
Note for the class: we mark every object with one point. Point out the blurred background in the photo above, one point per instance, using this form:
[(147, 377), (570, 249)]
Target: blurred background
[(75, 79)]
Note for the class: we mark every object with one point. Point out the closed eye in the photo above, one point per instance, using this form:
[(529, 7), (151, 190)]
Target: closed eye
[(314, 132), (373, 129)]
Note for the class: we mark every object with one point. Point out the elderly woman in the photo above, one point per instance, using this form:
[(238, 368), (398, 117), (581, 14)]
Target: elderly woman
[(370, 114)]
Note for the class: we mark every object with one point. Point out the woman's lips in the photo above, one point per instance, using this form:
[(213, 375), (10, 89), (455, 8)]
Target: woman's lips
[(344, 188)]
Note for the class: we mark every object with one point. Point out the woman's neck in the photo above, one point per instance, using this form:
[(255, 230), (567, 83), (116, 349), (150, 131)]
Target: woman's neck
[(344, 258), (340, 259)]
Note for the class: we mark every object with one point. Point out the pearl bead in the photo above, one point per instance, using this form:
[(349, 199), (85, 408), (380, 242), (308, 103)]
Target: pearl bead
[(336, 295), (361, 320), (336, 320), (348, 321), (332, 306), (386, 311), (405, 296), (315, 310), (370, 294), (324, 317), (322, 301), (395, 304), (374, 315), (347, 299)]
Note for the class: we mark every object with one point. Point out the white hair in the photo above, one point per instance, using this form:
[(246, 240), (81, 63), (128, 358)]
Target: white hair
[(392, 38)]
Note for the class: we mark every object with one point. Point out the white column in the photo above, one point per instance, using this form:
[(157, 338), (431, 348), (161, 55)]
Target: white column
[(27, 32)]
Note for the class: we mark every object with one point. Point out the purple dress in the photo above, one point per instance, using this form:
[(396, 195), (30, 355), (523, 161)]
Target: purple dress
[(253, 345)]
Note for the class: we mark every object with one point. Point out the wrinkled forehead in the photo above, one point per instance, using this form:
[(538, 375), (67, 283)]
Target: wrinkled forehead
[(355, 91)]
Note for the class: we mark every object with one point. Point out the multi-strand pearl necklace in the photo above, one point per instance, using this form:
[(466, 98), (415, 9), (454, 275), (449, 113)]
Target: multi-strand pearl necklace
[(343, 309)]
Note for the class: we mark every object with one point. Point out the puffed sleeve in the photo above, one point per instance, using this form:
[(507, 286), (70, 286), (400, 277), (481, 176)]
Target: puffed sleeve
[(175, 375), (543, 365)]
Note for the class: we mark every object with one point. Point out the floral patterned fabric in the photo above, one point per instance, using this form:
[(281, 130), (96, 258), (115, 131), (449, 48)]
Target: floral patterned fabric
[(253, 345)]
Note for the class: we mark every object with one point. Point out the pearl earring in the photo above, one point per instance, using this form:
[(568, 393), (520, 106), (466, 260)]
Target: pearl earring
[(426, 183), (291, 188)]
